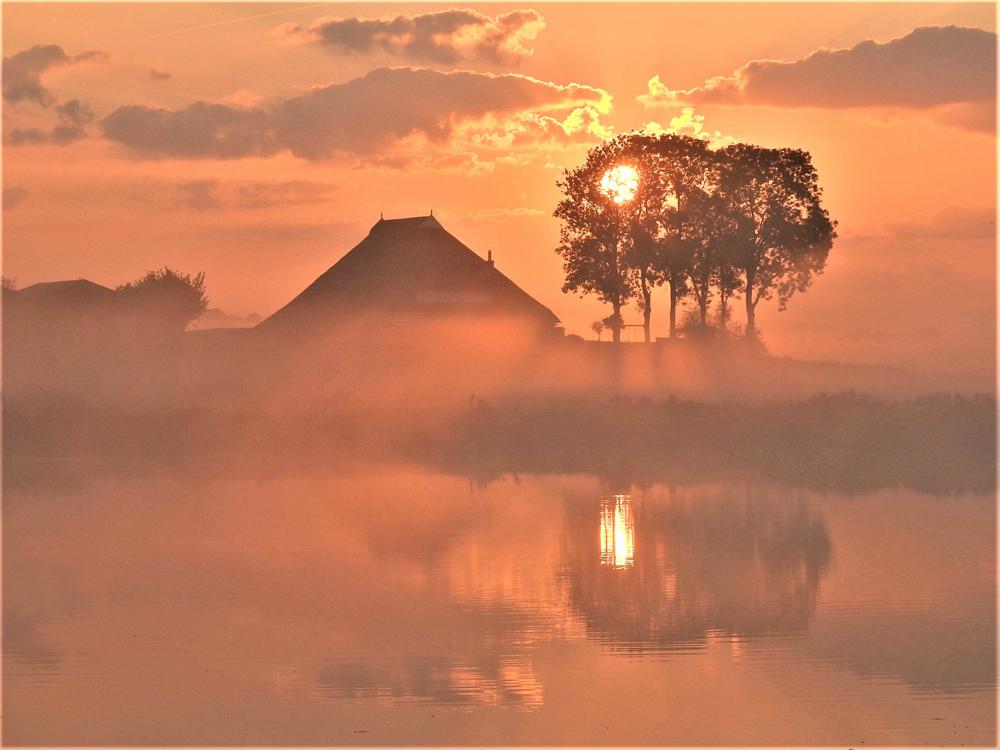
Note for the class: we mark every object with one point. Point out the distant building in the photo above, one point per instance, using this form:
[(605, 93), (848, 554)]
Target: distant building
[(68, 309), (410, 269)]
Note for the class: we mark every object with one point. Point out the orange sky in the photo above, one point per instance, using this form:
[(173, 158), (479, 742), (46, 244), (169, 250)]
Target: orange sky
[(899, 140)]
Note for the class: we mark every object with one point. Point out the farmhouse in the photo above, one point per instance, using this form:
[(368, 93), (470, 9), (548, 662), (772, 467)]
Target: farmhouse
[(411, 269)]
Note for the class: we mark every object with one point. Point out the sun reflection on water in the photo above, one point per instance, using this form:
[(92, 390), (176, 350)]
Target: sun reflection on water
[(617, 532)]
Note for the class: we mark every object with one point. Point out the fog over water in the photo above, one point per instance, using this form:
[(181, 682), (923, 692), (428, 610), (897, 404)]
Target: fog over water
[(439, 539)]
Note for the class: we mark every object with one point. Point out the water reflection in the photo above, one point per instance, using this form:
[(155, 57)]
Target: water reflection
[(397, 603), (674, 567), (508, 681), (617, 532)]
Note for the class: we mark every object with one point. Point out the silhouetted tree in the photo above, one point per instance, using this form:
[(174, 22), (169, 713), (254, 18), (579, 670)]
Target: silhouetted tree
[(166, 300), (742, 219), (682, 171), (626, 250), (781, 235), (641, 258), (597, 327), (595, 233)]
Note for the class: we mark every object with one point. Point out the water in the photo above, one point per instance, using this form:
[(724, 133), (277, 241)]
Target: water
[(396, 605)]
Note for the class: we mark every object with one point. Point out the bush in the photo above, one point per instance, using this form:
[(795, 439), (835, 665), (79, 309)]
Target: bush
[(165, 300)]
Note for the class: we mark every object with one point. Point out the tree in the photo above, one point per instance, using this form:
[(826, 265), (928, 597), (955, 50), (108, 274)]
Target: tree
[(627, 249), (166, 300), (687, 173), (781, 234), (641, 259), (593, 238), (597, 327), (675, 170)]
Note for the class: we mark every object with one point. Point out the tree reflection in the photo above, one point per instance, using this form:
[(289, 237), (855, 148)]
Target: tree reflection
[(507, 681), (663, 571)]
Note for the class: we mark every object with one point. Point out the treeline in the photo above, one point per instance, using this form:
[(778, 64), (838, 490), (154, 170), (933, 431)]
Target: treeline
[(646, 211), (845, 442)]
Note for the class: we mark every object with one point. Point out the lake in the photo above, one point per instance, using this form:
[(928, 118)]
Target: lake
[(396, 605)]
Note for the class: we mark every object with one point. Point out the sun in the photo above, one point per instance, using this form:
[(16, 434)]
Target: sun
[(620, 183)]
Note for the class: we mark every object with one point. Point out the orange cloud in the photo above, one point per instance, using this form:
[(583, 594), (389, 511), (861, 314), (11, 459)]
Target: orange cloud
[(446, 36), (691, 124), (363, 116), (949, 70)]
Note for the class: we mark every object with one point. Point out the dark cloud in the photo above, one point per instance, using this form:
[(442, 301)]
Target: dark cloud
[(73, 117), (979, 117), (955, 224), (358, 117), (74, 112), (199, 194), (14, 196), (950, 224), (27, 137), (928, 68), (23, 71), (159, 75), (210, 194), (200, 130), (65, 134), (267, 194), (447, 36)]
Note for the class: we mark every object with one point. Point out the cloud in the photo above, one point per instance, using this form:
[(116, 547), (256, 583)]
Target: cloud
[(26, 137), (74, 112), (954, 224), (201, 130), (361, 117), (14, 196), (211, 194), (979, 117), (931, 67), (691, 124), (447, 36), (198, 194), (22, 72), (297, 192), (580, 125), (158, 74), (73, 117)]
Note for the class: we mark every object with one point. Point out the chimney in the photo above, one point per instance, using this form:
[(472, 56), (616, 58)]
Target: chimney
[(489, 258)]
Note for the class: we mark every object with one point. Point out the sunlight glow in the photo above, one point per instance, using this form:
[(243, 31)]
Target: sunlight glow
[(620, 183), (617, 532)]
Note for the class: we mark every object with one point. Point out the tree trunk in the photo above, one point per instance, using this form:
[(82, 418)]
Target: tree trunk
[(647, 307), (723, 310), (751, 328), (673, 310), (616, 328)]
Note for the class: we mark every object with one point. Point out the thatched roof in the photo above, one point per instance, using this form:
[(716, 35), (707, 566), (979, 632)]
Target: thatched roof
[(68, 294), (408, 267)]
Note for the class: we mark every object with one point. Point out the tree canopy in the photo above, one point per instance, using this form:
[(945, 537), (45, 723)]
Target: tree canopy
[(781, 234), (706, 224), (165, 299)]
